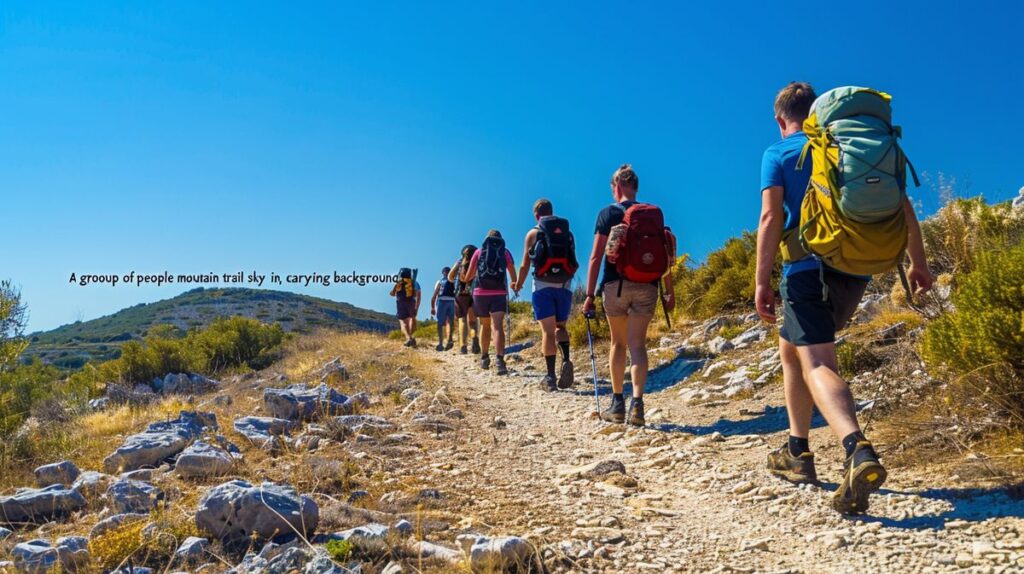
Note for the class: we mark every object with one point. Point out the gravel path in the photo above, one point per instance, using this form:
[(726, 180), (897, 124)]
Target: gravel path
[(694, 496)]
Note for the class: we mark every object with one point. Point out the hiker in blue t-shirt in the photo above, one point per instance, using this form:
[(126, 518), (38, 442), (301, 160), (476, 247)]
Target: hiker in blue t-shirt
[(812, 315)]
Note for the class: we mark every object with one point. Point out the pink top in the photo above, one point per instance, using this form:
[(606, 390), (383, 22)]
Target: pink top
[(473, 263)]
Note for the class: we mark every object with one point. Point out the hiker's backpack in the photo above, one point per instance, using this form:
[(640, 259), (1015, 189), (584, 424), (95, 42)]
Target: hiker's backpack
[(460, 287), (447, 288), (852, 213), (554, 252), (491, 265), (406, 286), (643, 248)]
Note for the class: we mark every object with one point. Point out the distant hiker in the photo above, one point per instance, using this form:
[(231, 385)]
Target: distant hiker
[(821, 292), (442, 304), (638, 252), (407, 298), (488, 267), (468, 323), (551, 250)]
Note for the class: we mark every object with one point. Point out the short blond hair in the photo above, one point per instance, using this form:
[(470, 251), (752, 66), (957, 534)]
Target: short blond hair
[(626, 177)]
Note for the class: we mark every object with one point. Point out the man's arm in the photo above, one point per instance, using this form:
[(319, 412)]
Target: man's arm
[(524, 267), (419, 299), (433, 299), (769, 232), (919, 276), (594, 269)]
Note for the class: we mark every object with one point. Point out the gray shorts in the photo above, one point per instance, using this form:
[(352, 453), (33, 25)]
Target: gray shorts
[(810, 319), (636, 299)]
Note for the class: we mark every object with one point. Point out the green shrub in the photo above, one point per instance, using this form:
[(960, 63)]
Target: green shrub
[(577, 326), (724, 282), (981, 343), (963, 228), (229, 342), (23, 387), (340, 550)]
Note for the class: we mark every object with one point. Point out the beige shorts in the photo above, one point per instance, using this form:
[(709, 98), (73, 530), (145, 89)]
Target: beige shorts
[(636, 299)]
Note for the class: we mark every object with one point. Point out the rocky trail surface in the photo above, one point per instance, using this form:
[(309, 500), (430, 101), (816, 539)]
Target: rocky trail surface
[(689, 493)]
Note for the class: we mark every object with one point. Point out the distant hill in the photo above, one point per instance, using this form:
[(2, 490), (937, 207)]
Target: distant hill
[(70, 346)]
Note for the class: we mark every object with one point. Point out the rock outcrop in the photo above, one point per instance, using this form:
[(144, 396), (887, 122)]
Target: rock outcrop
[(236, 511), (159, 442)]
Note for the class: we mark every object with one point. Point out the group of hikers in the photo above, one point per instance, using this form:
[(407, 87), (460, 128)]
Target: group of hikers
[(836, 221)]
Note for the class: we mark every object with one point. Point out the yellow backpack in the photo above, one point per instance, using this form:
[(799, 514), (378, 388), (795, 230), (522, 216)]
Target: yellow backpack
[(852, 213)]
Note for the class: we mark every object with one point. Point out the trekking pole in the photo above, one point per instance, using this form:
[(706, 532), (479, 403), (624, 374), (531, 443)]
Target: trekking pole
[(593, 361)]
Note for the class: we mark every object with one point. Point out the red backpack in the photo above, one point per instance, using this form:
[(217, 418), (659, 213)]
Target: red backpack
[(643, 251)]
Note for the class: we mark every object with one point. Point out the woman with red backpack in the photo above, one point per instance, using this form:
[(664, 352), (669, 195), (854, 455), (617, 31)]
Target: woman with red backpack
[(636, 252)]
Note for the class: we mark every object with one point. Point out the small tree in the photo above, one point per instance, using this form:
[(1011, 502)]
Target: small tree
[(13, 318)]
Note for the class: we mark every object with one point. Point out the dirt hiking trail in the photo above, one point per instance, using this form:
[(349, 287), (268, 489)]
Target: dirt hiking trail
[(690, 492)]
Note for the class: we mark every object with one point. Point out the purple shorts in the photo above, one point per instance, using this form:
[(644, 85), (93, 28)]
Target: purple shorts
[(484, 305)]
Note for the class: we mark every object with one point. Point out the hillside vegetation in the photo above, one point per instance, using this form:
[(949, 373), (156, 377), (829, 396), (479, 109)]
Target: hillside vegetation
[(71, 346)]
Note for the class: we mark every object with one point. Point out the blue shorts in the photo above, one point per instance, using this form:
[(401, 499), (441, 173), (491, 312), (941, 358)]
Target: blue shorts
[(552, 301), (445, 310)]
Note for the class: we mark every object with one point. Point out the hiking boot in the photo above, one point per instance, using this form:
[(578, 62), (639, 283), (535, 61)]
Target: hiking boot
[(439, 347), (485, 362), (412, 343), (476, 346), (548, 384), (407, 343), (616, 412), (463, 350), (636, 412), (565, 378), (795, 469), (862, 475), (449, 346), (502, 369)]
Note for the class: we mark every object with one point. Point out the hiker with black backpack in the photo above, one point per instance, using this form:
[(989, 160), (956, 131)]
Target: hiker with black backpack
[(442, 304), (407, 299), (637, 251), (837, 219), (551, 250), (492, 268), (468, 324)]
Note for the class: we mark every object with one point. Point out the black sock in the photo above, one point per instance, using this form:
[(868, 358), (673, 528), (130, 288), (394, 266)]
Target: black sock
[(617, 398), (500, 357), (798, 446), (638, 401), (564, 346), (550, 360), (851, 440), (485, 356)]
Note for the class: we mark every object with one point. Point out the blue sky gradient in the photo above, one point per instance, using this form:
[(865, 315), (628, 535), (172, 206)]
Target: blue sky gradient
[(193, 137)]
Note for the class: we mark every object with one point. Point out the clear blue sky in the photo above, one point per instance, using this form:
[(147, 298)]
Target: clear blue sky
[(198, 137)]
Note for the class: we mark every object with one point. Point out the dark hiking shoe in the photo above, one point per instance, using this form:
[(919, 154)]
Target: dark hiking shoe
[(565, 378), (476, 346), (862, 475), (407, 343), (548, 384), (795, 469), (449, 346), (502, 369), (485, 362), (636, 412), (439, 347), (463, 350), (412, 343), (616, 412)]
